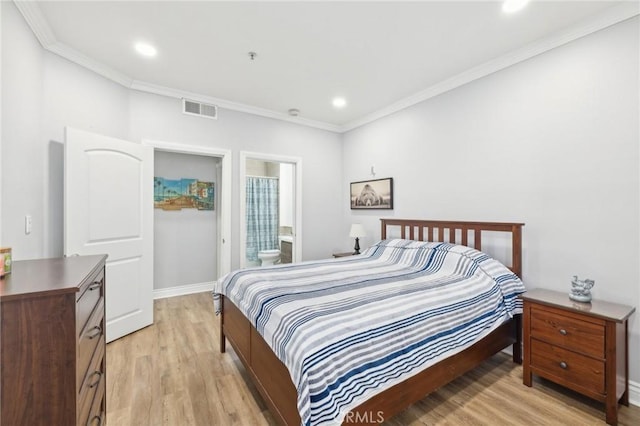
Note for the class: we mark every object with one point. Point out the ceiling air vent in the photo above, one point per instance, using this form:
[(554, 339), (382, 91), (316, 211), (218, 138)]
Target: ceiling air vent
[(199, 109)]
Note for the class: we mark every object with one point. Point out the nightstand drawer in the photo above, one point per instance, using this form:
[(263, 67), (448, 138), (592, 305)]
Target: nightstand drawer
[(579, 335), (567, 367)]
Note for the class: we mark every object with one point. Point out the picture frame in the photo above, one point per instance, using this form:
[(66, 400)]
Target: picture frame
[(184, 193), (375, 194)]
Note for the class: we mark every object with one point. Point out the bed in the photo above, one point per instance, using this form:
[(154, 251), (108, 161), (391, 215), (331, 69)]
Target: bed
[(325, 343)]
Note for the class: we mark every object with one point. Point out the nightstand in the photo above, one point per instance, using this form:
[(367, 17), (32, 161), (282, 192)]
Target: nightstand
[(345, 254), (582, 346)]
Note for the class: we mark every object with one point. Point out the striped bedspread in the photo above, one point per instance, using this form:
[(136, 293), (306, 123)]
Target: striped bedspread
[(352, 327)]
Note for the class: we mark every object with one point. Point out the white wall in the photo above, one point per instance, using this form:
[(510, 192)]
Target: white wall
[(42, 93), (552, 142), (157, 117), (184, 245), (23, 153), (76, 97)]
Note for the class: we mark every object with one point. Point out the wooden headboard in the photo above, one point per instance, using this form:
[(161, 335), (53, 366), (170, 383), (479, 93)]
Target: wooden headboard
[(457, 232)]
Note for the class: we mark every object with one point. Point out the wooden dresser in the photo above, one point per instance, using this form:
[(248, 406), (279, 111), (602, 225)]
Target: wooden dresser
[(52, 364), (582, 346)]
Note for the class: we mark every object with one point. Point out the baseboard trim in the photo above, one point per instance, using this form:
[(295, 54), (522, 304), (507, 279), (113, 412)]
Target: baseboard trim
[(182, 290)]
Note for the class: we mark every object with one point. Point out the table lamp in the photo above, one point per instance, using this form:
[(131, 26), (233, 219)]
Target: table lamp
[(357, 231)]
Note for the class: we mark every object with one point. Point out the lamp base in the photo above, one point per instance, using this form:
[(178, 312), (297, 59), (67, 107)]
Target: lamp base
[(356, 248)]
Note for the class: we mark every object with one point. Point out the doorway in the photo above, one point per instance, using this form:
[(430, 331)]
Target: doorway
[(284, 175), (223, 205)]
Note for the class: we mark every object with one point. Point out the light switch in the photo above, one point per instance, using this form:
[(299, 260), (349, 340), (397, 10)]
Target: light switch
[(27, 224)]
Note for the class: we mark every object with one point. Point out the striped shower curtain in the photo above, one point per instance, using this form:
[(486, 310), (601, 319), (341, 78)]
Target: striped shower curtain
[(262, 215)]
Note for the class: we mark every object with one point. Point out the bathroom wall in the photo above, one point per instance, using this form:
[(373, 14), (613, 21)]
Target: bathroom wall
[(262, 168)]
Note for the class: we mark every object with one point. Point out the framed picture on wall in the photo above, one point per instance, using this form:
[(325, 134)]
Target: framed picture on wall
[(177, 194), (372, 194)]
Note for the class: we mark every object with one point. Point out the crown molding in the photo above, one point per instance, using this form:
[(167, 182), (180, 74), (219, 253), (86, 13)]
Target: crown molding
[(32, 13), (144, 86), (38, 24), (81, 59), (610, 17)]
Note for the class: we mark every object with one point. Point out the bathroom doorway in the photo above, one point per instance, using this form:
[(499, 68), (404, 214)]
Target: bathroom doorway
[(270, 209)]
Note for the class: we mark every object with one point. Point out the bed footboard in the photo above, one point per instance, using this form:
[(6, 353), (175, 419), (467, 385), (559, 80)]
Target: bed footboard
[(268, 373)]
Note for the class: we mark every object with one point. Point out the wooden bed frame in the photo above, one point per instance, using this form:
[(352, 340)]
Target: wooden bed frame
[(272, 378)]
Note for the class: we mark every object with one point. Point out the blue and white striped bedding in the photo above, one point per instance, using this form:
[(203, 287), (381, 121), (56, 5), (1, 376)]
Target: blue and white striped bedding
[(352, 327)]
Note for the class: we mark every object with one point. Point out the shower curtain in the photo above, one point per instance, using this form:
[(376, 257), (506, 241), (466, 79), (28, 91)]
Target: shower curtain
[(262, 215)]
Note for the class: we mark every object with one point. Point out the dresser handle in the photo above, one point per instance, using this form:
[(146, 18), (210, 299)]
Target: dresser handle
[(563, 365), (563, 331), (99, 332), (99, 374), (96, 285)]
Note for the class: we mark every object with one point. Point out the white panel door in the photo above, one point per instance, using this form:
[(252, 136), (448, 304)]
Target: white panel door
[(108, 208)]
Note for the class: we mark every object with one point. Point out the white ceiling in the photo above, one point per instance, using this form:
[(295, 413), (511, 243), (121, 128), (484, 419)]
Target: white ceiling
[(380, 56)]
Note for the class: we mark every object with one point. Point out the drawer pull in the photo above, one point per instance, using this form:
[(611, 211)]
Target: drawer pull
[(95, 285), (99, 374), (563, 365), (97, 333), (563, 331), (99, 418)]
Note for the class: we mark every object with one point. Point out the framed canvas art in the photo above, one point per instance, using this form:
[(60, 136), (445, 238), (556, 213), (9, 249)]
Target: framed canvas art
[(177, 194), (372, 194)]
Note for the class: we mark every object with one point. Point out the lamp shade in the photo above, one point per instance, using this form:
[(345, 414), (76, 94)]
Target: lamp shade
[(357, 231)]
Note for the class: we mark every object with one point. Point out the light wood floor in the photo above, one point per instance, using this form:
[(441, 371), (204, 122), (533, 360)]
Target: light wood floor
[(172, 373)]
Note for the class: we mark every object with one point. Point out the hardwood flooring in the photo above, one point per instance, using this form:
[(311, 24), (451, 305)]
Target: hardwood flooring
[(173, 374)]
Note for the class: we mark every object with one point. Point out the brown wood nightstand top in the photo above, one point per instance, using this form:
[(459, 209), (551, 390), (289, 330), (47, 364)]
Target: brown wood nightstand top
[(596, 308), (345, 254)]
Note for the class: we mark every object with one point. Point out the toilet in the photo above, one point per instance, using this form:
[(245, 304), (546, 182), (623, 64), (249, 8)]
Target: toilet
[(268, 257)]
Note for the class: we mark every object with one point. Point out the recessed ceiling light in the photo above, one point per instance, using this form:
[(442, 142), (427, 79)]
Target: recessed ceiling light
[(146, 49), (511, 6), (339, 102)]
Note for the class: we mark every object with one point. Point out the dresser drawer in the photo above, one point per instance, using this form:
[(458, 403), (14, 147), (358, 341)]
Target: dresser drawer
[(90, 295), (572, 333), (97, 413), (94, 374), (571, 368), (91, 336), (93, 379)]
